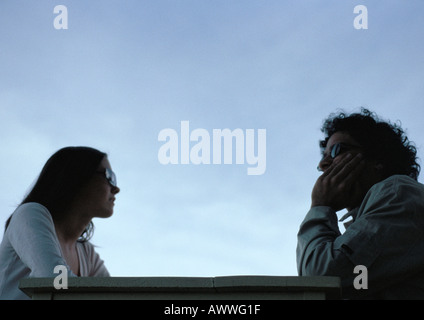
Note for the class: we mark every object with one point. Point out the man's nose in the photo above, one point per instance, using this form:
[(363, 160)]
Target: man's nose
[(324, 163)]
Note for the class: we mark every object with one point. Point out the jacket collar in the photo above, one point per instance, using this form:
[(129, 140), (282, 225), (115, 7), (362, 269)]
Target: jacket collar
[(352, 213)]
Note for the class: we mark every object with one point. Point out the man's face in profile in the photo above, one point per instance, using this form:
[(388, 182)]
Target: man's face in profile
[(344, 142), (338, 147)]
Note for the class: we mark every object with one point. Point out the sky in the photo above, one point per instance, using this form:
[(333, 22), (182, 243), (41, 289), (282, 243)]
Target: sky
[(124, 71)]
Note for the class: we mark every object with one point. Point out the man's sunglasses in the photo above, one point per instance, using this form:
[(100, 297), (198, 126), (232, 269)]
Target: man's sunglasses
[(110, 177), (337, 149)]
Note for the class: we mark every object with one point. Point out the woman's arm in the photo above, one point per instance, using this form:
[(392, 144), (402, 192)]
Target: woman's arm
[(32, 235)]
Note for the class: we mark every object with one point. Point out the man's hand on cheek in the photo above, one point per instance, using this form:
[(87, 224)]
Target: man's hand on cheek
[(339, 186)]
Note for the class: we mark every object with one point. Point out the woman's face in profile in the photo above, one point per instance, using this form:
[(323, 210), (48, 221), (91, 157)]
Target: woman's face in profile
[(98, 195)]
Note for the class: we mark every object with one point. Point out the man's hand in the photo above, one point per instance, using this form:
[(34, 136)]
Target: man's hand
[(339, 186)]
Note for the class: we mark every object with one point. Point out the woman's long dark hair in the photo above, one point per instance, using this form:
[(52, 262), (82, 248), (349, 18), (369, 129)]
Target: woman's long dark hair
[(63, 175)]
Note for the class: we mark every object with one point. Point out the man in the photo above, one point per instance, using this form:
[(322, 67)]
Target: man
[(369, 168)]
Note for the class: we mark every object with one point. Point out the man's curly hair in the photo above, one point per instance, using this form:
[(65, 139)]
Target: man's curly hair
[(381, 141)]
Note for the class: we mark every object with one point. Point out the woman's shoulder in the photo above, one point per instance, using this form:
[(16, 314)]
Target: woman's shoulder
[(31, 206), (31, 211)]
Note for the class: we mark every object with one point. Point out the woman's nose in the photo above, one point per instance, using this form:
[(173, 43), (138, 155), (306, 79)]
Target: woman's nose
[(115, 190)]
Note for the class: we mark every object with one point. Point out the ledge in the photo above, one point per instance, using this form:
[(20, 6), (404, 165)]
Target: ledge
[(186, 288)]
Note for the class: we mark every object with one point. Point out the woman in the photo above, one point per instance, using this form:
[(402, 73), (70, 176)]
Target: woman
[(52, 226)]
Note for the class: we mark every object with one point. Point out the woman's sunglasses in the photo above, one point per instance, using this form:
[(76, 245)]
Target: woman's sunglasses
[(110, 177)]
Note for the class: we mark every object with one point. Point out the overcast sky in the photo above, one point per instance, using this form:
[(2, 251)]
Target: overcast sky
[(123, 71)]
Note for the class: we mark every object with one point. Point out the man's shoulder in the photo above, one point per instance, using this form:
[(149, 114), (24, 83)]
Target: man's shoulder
[(397, 181), (396, 189)]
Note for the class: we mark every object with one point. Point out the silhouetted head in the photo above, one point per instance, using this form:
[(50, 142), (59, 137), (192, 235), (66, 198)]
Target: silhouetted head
[(65, 173), (379, 141)]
